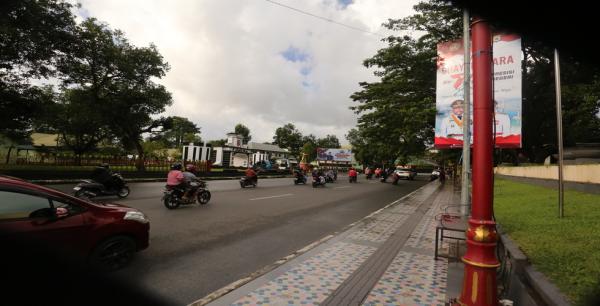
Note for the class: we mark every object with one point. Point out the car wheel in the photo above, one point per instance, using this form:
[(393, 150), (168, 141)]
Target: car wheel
[(113, 254), (171, 202), (204, 197), (124, 192)]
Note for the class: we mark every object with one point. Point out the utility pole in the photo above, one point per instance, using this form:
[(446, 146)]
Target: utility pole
[(466, 160), (479, 282), (561, 185)]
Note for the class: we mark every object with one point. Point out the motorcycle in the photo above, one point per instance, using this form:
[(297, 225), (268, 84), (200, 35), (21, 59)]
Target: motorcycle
[(352, 179), (90, 188), (300, 180), (370, 175), (318, 181), (246, 181), (329, 178), (198, 193), (395, 178)]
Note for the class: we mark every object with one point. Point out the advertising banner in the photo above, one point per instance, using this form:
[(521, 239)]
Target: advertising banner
[(335, 155), (507, 93)]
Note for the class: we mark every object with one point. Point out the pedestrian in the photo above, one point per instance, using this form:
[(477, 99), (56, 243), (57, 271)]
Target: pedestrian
[(442, 176)]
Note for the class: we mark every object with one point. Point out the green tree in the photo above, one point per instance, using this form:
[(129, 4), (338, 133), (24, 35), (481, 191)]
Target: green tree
[(182, 131), (329, 141), (244, 131), (80, 126), (397, 113), (119, 81), (309, 147), (218, 142), (33, 35), (288, 137)]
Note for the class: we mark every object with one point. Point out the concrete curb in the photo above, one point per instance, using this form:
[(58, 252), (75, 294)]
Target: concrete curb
[(239, 283)]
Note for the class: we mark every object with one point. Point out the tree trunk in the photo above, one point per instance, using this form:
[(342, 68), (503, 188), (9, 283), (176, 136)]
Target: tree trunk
[(8, 154), (139, 163)]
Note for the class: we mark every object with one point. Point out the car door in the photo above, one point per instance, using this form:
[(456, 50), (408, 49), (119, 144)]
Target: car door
[(26, 216)]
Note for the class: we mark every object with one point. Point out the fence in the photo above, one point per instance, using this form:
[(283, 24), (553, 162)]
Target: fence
[(84, 162)]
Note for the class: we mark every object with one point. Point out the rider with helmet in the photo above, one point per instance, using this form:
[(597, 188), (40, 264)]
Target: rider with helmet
[(103, 175)]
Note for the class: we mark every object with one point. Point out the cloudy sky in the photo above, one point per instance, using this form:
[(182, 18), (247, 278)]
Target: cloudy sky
[(256, 62)]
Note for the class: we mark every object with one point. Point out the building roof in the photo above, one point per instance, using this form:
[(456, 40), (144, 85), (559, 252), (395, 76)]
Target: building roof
[(265, 147)]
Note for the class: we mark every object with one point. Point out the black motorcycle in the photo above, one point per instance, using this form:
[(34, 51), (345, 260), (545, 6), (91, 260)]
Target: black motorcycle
[(90, 188), (197, 193), (352, 179), (300, 179), (318, 181), (330, 178), (246, 181)]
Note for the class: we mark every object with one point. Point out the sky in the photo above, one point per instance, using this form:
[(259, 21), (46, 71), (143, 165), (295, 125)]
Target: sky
[(258, 63)]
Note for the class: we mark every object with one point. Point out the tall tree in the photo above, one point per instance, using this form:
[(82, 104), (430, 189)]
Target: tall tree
[(309, 147), (329, 141), (244, 131), (118, 78), (288, 137), (397, 113), (33, 34), (182, 132)]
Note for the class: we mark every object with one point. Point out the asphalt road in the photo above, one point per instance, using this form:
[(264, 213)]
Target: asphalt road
[(195, 250)]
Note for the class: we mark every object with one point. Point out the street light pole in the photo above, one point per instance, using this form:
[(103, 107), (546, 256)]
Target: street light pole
[(561, 185), (479, 282)]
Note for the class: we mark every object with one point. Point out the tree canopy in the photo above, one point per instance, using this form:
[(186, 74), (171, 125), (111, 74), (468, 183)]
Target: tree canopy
[(244, 131)]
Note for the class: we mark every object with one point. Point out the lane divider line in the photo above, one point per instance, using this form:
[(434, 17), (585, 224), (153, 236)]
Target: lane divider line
[(342, 187), (271, 197)]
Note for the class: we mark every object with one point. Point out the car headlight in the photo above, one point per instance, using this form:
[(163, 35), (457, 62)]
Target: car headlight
[(76, 188), (136, 216)]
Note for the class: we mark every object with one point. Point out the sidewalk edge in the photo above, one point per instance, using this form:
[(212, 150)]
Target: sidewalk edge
[(239, 283)]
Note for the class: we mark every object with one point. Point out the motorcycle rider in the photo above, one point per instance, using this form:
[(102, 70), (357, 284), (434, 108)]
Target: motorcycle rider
[(103, 175), (176, 179), (352, 174), (251, 175), (189, 175), (299, 174)]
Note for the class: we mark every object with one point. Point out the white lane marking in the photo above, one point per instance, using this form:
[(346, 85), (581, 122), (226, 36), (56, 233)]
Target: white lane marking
[(276, 196), (341, 187)]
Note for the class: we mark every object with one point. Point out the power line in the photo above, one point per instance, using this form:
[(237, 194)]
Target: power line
[(323, 18)]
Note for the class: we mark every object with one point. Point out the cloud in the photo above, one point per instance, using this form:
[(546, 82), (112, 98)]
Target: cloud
[(256, 63)]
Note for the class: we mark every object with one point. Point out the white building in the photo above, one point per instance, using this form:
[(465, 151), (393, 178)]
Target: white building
[(236, 154)]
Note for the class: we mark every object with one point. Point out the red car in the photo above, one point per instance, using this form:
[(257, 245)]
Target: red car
[(105, 235)]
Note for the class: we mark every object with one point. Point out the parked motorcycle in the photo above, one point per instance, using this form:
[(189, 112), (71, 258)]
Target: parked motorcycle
[(318, 181), (198, 193), (246, 181), (90, 188)]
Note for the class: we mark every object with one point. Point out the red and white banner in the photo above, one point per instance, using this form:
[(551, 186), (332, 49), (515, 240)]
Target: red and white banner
[(507, 93)]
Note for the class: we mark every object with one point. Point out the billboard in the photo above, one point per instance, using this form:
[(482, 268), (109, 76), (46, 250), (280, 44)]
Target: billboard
[(507, 93), (334, 155)]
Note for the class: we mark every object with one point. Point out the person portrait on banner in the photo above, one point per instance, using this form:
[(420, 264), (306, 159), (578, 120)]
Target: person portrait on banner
[(452, 125), (502, 122)]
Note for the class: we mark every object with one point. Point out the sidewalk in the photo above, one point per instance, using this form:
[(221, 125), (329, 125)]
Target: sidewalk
[(384, 259)]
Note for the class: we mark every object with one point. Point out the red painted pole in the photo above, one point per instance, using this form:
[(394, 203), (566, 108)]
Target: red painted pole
[(479, 282)]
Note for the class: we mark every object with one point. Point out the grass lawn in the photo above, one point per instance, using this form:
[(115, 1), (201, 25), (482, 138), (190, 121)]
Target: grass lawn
[(566, 250)]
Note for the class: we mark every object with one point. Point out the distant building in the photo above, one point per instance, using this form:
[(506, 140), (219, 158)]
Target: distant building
[(235, 154)]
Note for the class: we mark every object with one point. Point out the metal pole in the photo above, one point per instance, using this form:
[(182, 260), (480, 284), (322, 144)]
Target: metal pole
[(466, 160), (561, 194), (479, 283)]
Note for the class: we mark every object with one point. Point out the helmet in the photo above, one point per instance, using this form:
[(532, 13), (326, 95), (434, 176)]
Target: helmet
[(176, 166), (190, 168)]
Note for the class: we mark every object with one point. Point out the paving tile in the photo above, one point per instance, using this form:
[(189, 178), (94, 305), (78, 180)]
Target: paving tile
[(411, 279)]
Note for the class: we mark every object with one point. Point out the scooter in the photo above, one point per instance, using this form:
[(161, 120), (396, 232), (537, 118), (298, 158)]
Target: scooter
[(90, 188), (329, 178), (352, 179), (318, 181), (198, 193), (246, 181)]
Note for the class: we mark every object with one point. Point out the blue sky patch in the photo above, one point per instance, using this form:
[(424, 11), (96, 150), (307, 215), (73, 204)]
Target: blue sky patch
[(344, 3), (294, 55)]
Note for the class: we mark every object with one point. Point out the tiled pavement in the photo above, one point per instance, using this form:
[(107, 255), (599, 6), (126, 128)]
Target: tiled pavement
[(385, 259)]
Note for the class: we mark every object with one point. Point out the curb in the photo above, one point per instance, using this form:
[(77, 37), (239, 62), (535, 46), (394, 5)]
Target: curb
[(241, 282)]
